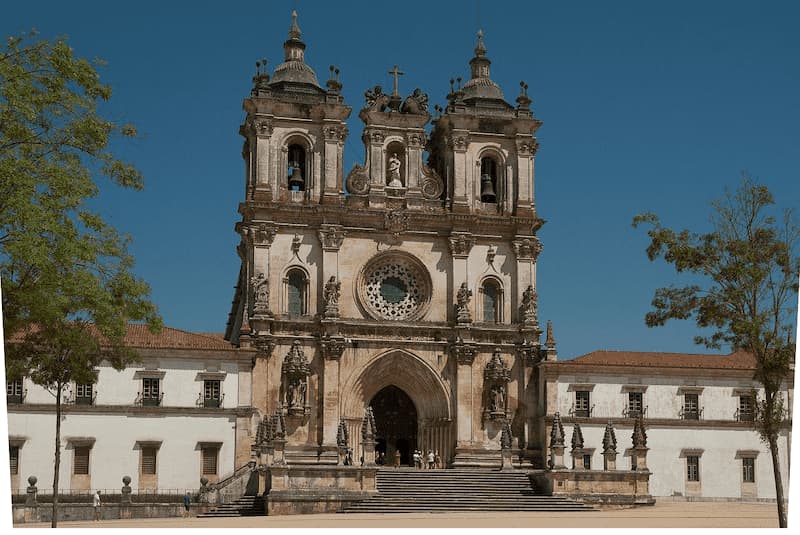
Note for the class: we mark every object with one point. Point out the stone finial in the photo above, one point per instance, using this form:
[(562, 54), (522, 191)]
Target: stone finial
[(639, 436), (294, 31), (368, 428), (30, 499), (557, 432), (342, 438), (480, 47), (278, 424), (126, 490), (550, 341), (203, 482), (609, 439), (577, 438)]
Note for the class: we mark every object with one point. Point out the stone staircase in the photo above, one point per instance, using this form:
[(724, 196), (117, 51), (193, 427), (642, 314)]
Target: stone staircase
[(407, 490), (244, 506)]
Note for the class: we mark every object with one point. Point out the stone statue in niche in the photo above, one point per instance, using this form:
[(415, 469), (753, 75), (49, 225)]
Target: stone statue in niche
[(296, 394), (394, 172), (529, 305), (330, 297), (260, 285), (462, 304), (498, 403)]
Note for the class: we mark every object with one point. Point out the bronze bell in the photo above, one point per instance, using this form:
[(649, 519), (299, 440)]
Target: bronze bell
[(487, 189), (296, 182)]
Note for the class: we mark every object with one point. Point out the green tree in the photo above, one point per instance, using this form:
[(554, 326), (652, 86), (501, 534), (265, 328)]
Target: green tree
[(68, 292), (747, 297)]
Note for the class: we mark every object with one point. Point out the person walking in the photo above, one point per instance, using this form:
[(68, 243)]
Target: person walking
[(187, 501), (437, 461), (431, 460), (397, 458), (96, 503), (416, 459)]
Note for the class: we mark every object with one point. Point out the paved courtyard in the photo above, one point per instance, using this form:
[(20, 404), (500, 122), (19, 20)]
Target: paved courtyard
[(662, 515)]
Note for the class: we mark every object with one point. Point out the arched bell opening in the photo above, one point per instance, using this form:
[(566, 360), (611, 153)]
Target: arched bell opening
[(297, 171), (396, 422), (489, 180)]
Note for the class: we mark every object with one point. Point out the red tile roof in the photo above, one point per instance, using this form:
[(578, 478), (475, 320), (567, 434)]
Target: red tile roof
[(738, 360), (139, 336)]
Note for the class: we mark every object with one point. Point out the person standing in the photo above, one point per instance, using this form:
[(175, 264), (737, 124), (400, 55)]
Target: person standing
[(397, 458), (96, 503), (187, 501), (437, 461), (431, 460)]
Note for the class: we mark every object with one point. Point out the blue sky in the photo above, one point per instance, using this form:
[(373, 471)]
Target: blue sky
[(646, 107)]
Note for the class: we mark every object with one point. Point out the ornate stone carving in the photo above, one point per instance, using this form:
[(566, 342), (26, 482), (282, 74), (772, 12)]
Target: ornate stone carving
[(463, 352), (461, 244), (336, 132), (557, 436), (506, 437), (527, 248), (490, 254), (261, 234), (330, 297), (331, 237), (432, 184), (296, 241), (376, 99), (260, 288), (416, 103), (458, 142), (368, 428), (550, 340), (496, 377), (528, 308), (342, 435), (376, 137), (393, 172), (395, 221), (332, 348), (528, 353), (264, 346), (526, 147), (577, 438), (463, 296), (357, 180), (609, 439), (639, 436), (294, 373), (394, 286), (278, 425), (262, 126), (416, 140)]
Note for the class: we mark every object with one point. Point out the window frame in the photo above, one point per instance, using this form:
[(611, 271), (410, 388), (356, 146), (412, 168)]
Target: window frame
[(693, 468), (81, 397), (151, 397), (635, 398), (204, 449), (77, 460), (210, 400), (303, 291), (499, 301), (690, 413), (13, 458), (748, 469), (146, 450), (15, 390), (583, 406)]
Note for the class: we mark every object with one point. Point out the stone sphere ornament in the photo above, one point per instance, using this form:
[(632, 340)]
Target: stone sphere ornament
[(126, 480), (204, 481), (32, 481)]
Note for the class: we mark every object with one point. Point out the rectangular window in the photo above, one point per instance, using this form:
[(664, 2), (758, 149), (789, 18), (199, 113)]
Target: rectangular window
[(587, 462), (84, 394), (13, 454), (14, 391), (211, 393), (149, 460), (80, 465), (634, 404), (692, 468), (151, 391), (691, 407), (582, 403), (210, 460), (749, 469), (746, 412)]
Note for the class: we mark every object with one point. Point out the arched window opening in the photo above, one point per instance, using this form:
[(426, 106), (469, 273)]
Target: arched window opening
[(297, 168), (492, 302), (488, 180), (296, 293)]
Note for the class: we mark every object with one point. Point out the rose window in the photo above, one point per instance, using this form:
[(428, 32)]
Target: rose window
[(395, 286)]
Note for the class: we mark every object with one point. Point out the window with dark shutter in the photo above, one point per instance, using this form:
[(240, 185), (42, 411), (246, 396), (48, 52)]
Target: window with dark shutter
[(13, 454), (210, 460), (582, 403), (692, 468), (149, 460), (749, 470), (211, 393), (81, 463), (84, 393)]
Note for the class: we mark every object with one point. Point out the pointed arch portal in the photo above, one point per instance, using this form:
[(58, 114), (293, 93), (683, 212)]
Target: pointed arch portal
[(396, 420)]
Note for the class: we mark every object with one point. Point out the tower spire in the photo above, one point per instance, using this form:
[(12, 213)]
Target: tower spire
[(479, 64), (294, 31)]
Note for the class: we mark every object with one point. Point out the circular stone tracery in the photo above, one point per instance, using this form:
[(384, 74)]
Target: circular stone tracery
[(394, 286)]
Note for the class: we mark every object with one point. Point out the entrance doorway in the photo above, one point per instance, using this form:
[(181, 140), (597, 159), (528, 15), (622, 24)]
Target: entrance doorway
[(396, 422)]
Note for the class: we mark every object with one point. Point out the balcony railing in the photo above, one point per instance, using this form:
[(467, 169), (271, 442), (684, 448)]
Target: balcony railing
[(582, 412), (629, 412), (692, 413), (744, 416), (16, 398), (203, 401), (148, 401)]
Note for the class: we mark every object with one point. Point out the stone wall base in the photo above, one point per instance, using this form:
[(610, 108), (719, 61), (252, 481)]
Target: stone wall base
[(302, 489), (85, 511), (601, 487)]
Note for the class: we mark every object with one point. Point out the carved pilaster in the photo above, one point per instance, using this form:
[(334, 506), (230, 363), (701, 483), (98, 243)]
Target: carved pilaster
[(295, 372), (496, 377), (458, 142), (337, 133), (264, 346), (261, 127), (261, 234), (528, 308), (528, 353)]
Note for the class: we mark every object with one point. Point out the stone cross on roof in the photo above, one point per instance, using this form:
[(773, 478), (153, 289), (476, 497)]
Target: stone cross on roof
[(396, 72)]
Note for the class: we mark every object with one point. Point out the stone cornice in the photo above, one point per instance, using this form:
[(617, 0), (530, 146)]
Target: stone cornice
[(130, 410), (625, 423), (566, 368)]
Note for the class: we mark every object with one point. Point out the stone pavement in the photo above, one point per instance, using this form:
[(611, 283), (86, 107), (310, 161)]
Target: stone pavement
[(662, 515)]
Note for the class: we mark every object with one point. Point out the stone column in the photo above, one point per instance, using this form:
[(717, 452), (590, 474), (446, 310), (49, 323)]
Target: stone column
[(609, 448), (460, 246), (526, 147), (262, 132), (31, 513), (331, 349), (335, 135), (368, 438), (461, 172), (464, 354)]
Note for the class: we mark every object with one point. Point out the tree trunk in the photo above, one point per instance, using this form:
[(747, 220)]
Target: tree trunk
[(57, 462), (776, 470)]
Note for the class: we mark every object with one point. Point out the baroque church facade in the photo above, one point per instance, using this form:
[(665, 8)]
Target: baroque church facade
[(406, 286)]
